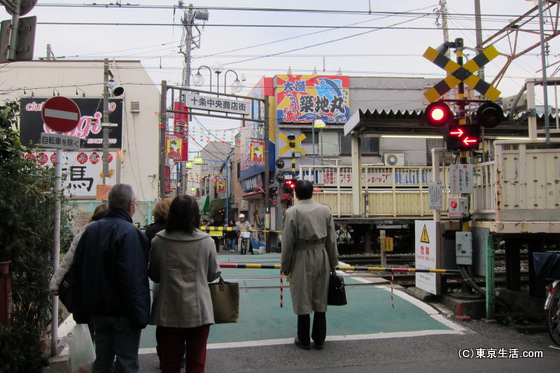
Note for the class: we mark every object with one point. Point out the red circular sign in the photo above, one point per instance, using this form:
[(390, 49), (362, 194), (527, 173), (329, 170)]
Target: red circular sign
[(61, 114)]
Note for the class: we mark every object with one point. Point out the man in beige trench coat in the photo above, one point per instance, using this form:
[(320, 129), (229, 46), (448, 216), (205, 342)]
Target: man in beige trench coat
[(309, 252)]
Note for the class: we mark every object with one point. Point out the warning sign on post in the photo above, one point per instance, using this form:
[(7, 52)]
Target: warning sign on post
[(426, 255)]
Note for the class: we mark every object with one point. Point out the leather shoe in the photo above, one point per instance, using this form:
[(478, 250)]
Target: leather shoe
[(319, 346), (298, 343)]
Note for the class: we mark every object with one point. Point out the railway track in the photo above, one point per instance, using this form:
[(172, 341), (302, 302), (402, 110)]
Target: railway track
[(452, 280)]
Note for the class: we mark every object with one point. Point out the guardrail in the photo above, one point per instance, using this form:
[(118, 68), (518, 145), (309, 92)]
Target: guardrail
[(398, 191)]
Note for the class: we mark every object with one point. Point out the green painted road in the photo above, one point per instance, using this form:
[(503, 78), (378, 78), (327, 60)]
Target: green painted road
[(371, 313)]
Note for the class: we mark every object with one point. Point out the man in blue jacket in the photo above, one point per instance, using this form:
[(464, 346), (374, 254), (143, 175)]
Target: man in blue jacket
[(110, 283)]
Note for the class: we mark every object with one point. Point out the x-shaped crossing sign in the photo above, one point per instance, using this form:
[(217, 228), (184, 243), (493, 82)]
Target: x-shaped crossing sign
[(296, 142), (458, 74)]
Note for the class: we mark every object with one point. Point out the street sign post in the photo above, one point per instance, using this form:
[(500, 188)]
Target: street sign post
[(60, 114)]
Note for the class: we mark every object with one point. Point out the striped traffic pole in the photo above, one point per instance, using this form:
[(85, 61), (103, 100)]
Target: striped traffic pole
[(342, 268)]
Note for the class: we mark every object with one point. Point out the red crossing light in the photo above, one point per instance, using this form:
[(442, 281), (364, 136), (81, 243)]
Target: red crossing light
[(290, 183), (463, 137), (438, 114)]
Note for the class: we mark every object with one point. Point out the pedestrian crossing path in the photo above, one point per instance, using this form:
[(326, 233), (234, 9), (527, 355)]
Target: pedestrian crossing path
[(371, 312)]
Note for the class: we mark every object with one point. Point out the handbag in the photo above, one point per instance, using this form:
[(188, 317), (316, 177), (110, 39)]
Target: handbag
[(337, 290), (225, 301), (65, 291)]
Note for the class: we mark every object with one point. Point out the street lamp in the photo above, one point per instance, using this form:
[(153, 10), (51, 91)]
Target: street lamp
[(198, 79), (236, 86), (218, 68)]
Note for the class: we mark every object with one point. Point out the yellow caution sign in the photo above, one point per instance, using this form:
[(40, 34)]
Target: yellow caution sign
[(465, 73), (387, 244), (425, 238)]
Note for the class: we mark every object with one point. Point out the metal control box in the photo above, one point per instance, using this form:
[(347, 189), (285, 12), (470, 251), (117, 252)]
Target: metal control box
[(463, 248), (458, 207)]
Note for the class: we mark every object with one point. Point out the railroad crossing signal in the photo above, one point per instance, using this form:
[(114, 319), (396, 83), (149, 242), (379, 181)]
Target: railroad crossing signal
[(463, 137), (458, 74), (438, 114), (293, 143)]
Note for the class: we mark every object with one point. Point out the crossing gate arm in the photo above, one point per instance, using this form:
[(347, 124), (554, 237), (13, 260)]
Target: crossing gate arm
[(342, 268)]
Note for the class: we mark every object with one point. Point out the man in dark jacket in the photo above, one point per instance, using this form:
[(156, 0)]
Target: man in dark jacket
[(110, 283)]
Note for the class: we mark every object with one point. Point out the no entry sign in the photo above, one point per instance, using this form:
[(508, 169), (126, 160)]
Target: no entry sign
[(61, 114)]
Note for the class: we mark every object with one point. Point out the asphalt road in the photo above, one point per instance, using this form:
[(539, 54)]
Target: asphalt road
[(484, 347)]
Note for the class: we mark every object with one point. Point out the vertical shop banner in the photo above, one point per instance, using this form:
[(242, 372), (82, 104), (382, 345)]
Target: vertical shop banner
[(89, 126), (174, 147), (181, 129), (257, 151), (252, 134), (305, 98), (220, 185), (81, 171)]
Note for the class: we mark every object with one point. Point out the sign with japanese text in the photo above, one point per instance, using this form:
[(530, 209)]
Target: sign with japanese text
[(82, 171), (217, 104), (305, 98), (384, 176), (181, 129), (57, 141), (435, 195), (89, 127), (461, 178), (253, 183), (426, 254)]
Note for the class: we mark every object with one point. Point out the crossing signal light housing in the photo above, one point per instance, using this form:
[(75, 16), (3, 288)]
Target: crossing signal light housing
[(438, 114), (489, 115), (289, 185), (463, 136)]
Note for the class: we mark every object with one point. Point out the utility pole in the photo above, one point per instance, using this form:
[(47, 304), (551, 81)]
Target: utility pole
[(105, 120), (443, 5), (478, 26), (188, 22)]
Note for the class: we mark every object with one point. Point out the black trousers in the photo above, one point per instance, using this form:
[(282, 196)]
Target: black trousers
[(319, 331)]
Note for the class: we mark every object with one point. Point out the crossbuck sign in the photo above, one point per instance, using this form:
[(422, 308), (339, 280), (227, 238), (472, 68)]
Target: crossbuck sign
[(465, 73)]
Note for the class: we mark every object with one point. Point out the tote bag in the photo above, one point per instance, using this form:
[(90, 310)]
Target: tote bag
[(225, 301), (337, 291)]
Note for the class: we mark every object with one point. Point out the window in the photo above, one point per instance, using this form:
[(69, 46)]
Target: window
[(370, 145)]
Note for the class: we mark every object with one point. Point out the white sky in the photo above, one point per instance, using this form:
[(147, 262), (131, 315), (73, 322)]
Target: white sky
[(255, 52)]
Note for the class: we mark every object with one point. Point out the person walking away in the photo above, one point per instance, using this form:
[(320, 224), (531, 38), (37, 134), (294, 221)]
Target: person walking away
[(215, 238), (244, 232), (309, 252), (57, 278), (66, 263), (231, 236), (110, 283), (183, 260), (160, 218)]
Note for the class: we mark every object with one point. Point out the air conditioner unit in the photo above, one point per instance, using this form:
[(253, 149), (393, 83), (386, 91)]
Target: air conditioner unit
[(393, 159)]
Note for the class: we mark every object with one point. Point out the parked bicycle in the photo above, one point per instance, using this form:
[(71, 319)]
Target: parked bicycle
[(547, 265)]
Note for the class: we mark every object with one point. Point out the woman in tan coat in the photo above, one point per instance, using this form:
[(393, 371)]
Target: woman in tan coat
[(183, 260), (309, 252)]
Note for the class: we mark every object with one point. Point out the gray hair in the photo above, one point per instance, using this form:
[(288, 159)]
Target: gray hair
[(120, 197)]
